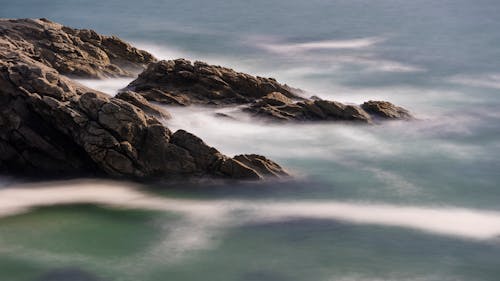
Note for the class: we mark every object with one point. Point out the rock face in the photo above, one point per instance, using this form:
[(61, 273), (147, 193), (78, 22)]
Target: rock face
[(386, 110), (75, 52), (142, 103), (182, 82), (51, 125)]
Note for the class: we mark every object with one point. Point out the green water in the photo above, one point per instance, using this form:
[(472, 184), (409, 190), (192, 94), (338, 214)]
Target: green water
[(110, 244)]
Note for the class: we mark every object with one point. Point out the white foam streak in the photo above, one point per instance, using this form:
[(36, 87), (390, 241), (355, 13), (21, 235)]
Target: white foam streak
[(320, 45), (373, 63), (163, 52), (491, 80), (446, 221), (449, 221), (107, 86)]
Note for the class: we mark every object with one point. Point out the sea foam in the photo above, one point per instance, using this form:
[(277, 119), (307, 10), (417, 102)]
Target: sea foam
[(448, 221)]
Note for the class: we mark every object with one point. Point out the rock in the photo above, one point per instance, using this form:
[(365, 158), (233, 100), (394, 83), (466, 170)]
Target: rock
[(386, 110), (76, 52), (213, 161), (276, 99), (337, 110), (142, 103), (261, 164), (239, 170), (310, 110), (182, 82), (53, 126)]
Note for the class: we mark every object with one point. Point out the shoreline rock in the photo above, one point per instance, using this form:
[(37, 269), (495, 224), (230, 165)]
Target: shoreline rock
[(74, 52), (53, 126), (180, 82), (277, 107), (386, 110)]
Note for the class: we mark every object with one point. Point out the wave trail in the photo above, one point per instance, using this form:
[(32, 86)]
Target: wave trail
[(449, 221)]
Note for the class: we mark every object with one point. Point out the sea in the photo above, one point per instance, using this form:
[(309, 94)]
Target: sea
[(396, 201)]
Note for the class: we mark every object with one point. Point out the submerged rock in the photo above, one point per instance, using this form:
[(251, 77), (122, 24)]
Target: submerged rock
[(51, 125), (76, 52)]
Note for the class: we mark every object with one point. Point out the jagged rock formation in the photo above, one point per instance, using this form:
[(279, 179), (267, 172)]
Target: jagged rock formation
[(51, 125), (278, 107), (386, 110), (76, 52), (181, 82)]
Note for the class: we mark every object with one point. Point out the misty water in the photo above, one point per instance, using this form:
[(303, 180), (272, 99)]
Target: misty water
[(416, 200)]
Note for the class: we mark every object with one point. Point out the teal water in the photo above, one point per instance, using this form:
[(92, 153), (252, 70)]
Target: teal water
[(440, 59)]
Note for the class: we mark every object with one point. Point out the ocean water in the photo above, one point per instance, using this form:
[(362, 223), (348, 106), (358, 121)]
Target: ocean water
[(399, 201)]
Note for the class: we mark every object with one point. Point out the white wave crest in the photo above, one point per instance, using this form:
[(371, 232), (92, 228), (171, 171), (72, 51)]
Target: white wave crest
[(491, 80), (449, 221), (319, 45)]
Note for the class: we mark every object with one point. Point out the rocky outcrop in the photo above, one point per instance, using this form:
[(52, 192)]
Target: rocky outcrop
[(51, 125), (75, 52), (181, 82), (279, 107), (261, 164), (386, 110)]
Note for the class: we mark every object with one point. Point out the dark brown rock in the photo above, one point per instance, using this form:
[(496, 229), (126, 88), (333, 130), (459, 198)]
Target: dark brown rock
[(51, 125), (76, 52), (181, 82), (276, 99), (310, 110), (210, 159), (142, 103), (386, 110), (261, 164)]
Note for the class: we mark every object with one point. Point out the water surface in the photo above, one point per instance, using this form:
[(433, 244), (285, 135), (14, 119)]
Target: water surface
[(399, 201)]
